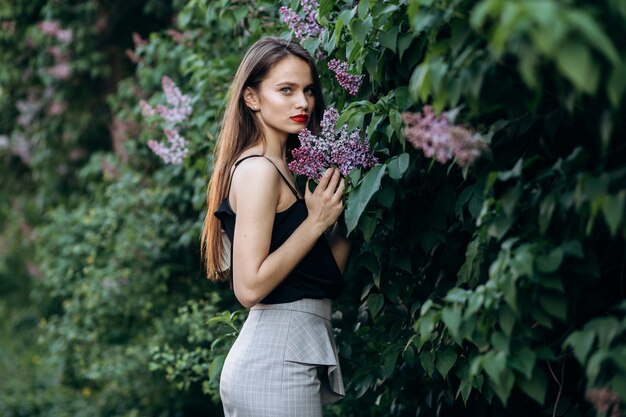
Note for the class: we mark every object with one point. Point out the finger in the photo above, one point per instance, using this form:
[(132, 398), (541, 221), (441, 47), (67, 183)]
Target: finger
[(307, 190), (334, 180), (339, 191), (325, 178)]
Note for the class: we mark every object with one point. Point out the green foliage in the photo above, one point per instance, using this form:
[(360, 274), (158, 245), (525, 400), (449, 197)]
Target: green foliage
[(495, 289)]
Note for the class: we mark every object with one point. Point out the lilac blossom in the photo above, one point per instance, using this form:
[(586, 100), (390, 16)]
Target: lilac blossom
[(174, 151), (60, 71), (181, 104), (440, 140), (302, 28), (53, 28), (8, 27), (341, 149), (349, 82)]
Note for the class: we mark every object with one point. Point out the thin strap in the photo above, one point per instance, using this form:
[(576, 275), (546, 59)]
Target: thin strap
[(293, 190)]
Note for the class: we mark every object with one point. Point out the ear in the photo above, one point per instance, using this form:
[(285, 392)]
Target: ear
[(251, 98)]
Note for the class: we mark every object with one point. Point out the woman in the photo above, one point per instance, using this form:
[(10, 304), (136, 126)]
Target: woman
[(284, 362)]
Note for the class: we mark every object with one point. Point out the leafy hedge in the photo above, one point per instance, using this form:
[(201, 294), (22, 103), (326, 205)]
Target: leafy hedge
[(490, 289)]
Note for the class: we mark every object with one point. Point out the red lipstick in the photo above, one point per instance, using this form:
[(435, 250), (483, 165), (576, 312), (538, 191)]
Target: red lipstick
[(300, 118)]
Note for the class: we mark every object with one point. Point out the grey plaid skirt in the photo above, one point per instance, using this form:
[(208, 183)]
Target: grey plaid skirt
[(284, 362)]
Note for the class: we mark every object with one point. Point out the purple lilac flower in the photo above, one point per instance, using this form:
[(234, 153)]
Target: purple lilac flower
[(341, 149), (349, 82), (302, 28), (174, 151), (438, 139)]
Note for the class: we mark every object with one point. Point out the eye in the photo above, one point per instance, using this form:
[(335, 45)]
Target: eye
[(285, 90), (309, 91)]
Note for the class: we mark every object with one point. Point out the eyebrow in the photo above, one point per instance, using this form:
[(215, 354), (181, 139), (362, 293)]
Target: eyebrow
[(290, 84)]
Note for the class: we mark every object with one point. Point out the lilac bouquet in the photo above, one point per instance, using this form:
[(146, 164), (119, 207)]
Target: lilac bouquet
[(343, 150)]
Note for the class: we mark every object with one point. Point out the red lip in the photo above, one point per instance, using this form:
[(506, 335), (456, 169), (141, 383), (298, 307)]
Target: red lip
[(300, 118)]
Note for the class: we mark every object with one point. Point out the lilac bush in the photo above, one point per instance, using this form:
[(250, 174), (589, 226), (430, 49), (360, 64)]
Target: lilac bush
[(441, 140), (343, 150), (350, 82)]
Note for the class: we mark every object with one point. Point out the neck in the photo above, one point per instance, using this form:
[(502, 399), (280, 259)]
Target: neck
[(276, 147)]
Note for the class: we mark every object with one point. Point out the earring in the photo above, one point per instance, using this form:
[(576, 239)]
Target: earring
[(256, 108)]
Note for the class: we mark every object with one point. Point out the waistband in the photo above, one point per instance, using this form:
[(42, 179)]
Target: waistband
[(322, 307)]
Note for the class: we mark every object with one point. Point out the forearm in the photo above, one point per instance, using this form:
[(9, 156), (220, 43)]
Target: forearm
[(277, 265), (340, 247)]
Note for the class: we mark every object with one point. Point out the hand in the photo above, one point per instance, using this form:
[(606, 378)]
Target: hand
[(325, 204)]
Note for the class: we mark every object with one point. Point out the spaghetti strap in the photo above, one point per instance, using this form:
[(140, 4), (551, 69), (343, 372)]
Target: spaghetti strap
[(293, 190)]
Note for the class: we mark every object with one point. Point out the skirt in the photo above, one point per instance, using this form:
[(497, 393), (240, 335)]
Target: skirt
[(284, 362)]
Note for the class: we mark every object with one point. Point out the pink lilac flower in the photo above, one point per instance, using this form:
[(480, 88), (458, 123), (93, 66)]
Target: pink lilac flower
[(53, 28), (57, 108), (341, 149), (181, 104), (302, 28), (8, 26), (174, 151), (60, 71), (605, 399), (439, 139), (349, 82), (176, 148), (138, 40), (146, 109)]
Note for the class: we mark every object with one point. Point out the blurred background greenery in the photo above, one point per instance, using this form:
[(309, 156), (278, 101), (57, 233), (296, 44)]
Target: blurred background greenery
[(490, 290)]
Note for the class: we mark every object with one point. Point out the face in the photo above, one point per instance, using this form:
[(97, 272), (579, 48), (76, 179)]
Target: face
[(284, 101)]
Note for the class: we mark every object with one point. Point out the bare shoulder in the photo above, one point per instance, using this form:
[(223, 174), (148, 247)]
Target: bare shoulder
[(255, 181)]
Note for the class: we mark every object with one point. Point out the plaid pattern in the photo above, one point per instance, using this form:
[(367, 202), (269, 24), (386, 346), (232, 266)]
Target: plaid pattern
[(284, 362)]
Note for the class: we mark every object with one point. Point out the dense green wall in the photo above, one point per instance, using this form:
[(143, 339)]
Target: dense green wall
[(494, 288)]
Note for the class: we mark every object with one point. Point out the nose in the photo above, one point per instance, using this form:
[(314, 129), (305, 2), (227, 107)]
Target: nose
[(302, 101)]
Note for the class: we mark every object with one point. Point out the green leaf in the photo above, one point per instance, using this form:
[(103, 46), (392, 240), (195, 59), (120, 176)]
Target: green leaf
[(507, 320), (360, 197), (551, 262), (215, 368), (375, 304), (451, 317), (389, 362), (613, 210), (576, 64), (326, 6), (535, 387), (594, 33), (581, 343), (389, 38), (361, 28), (427, 358), (523, 359), (617, 84), (363, 9), (311, 45), (398, 165), (554, 304), (445, 361), (495, 366)]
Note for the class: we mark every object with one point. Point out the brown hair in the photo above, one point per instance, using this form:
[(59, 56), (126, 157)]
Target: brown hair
[(240, 130)]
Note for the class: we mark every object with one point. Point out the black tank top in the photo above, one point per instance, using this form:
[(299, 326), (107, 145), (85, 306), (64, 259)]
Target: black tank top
[(316, 276)]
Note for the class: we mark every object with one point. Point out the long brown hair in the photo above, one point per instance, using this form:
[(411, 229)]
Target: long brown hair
[(240, 130)]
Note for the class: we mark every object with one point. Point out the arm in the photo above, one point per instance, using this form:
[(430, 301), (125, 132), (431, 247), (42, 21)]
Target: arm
[(256, 185), (340, 246)]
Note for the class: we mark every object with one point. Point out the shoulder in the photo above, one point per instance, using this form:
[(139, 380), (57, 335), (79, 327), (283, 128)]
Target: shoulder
[(256, 179), (256, 170)]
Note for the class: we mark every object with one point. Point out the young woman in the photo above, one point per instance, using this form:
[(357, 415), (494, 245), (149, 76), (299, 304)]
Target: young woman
[(283, 267)]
